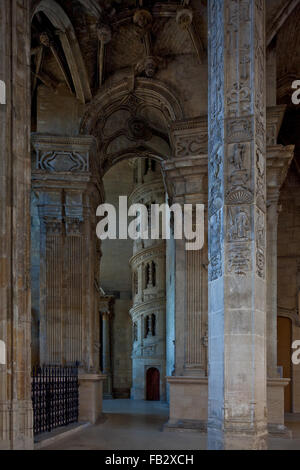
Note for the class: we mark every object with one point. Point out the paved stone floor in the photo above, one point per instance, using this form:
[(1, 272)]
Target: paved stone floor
[(137, 425)]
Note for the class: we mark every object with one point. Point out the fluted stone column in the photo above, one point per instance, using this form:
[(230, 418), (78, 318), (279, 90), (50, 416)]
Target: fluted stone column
[(106, 311), (67, 188), (15, 313), (186, 179), (237, 394)]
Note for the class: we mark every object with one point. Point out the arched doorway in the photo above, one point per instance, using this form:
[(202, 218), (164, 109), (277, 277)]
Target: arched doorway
[(284, 335), (152, 381)]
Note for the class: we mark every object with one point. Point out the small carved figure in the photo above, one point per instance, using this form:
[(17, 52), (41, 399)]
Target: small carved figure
[(149, 65), (240, 226), (143, 19), (237, 157), (45, 39)]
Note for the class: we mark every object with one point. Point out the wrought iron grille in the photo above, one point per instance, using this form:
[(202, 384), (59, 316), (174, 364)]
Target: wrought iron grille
[(55, 397)]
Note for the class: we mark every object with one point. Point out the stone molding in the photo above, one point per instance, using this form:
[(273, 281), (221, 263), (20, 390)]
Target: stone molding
[(64, 154), (147, 254)]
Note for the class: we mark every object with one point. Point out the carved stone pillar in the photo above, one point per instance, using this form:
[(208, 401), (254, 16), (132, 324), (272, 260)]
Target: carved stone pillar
[(186, 179), (15, 314), (237, 393), (67, 188), (106, 312)]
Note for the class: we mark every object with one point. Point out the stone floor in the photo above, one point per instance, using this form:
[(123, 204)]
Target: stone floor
[(137, 425)]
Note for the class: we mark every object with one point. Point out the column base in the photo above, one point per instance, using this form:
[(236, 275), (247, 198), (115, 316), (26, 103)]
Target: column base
[(17, 414), (275, 401), (90, 397), (183, 425), (239, 440), (188, 403), (279, 431)]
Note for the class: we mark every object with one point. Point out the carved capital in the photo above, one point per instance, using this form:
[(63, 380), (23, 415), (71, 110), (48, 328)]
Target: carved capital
[(189, 137), (279, 159), (52, 225), (58, 154), (73, 227), (106, 303), (275, 116)]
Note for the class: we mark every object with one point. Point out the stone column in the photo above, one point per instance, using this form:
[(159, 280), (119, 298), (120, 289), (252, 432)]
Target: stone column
[(237, 393), (106, 315), (278, 161), (186, 179), (15, 314), (67, 185), (67, 188)]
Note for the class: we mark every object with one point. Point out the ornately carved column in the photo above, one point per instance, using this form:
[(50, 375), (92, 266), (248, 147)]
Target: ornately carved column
[(237, 405), (15, 312)]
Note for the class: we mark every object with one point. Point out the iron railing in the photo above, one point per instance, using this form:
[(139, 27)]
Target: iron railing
[(55, 397)]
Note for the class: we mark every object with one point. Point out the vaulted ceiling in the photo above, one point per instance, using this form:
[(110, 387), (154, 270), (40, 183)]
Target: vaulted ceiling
[(78, 44)]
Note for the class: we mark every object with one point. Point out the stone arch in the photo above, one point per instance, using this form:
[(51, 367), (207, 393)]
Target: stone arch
[(60, 20), (132, 121)]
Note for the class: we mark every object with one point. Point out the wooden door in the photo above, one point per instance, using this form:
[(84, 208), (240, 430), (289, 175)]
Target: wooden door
[(284, 356), (152, 382)]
